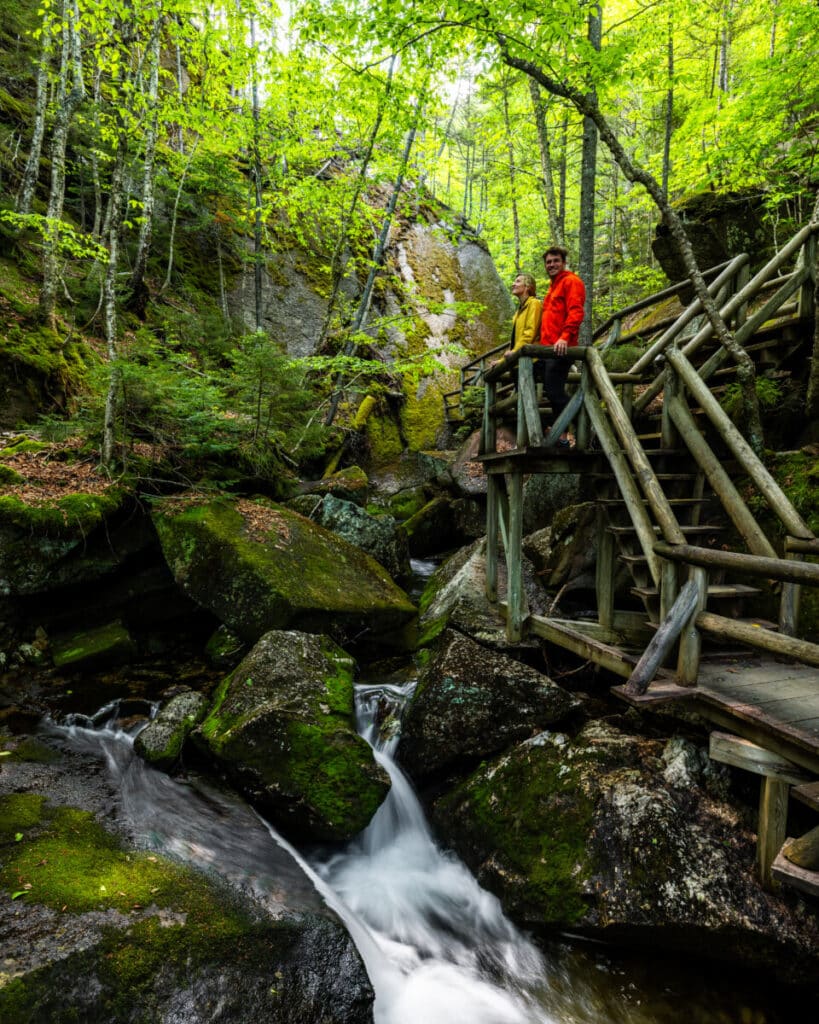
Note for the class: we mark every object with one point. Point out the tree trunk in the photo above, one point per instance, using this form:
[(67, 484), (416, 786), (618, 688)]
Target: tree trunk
[(258, 254), (70, 93), (555, 227), (510, 154), (669, 107), (588, 180), (109, 301), (139, 291), (812, 399), (588, 107), (32, 170)]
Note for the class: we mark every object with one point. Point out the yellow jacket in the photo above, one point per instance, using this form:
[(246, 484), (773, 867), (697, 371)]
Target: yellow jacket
[(526, 323)]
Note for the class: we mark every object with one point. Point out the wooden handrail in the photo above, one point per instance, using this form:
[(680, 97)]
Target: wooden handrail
[(754, 636), (739, 561)]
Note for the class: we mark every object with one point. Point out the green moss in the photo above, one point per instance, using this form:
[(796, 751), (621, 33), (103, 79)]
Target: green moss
[(422, 417), (28, 748), (43, 350), (63, 517), (19, 811), (9, 476), (111, 641), (22, 444), (386, 443), (533, 811)]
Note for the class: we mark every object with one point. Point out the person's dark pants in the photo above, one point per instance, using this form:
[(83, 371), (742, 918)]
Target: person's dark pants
[(555, 372)]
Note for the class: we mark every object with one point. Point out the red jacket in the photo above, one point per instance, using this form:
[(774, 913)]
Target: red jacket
[(563, 309)]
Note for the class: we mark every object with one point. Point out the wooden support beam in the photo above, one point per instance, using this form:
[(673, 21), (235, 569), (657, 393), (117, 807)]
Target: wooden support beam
[(688, 660), (643, 470), (664, 639), (492, 526), (743, 452), (628, 488), (740, 753), (516, 596), (771, 830), (529, 427), (789, 601), (604, 572), (799, 878), (720, 482)]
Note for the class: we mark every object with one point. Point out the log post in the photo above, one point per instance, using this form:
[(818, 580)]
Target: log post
[(773, 820), (671, 389), (789, 601), (663, 640), (807, 293), (492, 526), (529, 427), (688, 661), (515, 596), (604, 572)]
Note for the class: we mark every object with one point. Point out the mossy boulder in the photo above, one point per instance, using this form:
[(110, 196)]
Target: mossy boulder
[(160, 742), (282, 727), (110, 644), (623, 838), (258, 566), (94, 929), (432, 528), (350, 484), (470, 703)]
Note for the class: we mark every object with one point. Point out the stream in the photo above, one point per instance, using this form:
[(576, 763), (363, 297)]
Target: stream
[(437, 947)]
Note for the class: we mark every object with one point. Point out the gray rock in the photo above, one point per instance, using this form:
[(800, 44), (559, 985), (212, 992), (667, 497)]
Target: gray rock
[(603, 835), (282, 727), (471, 702), (111, 644), (160, 742)]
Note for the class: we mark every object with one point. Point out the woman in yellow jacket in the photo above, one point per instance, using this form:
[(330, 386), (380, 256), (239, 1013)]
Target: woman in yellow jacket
[(526, 321)]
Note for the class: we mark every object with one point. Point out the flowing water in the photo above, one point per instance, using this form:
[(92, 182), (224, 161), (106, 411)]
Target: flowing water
[(437, 947)]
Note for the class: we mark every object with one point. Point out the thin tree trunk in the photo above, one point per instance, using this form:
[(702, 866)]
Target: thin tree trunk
[(378, 258), (669, 107), (588, 181), (139, 291), (31, 173), (588, 107), (258, 253), (812, 399), (562, 171), (95, 162), (539, 108), (175, 216), (109, 300), (68, 100), (510, 154)]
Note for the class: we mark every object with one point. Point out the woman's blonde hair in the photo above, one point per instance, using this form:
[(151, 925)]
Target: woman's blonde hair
[(530, 282)]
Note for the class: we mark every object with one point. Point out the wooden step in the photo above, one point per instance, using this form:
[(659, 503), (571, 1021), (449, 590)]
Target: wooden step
[(674, 502), (704, 528), (799, 878), (808, 794), (718, 591)]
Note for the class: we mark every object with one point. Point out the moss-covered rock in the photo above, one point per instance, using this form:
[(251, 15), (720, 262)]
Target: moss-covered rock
[(470, 703), (617, 835), (160, 742), (350, 484), (110, 644), (281, 725), (223, 648), (259, 566), (129, 937), (432, 528)]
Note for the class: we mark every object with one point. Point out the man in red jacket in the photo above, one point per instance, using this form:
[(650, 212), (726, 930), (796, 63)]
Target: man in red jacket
[(559, 327)]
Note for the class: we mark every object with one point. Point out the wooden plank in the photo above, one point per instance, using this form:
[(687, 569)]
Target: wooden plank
[(790, 600), (662, 691), (737, 561), (528, 405), (613, 658), (799, 878), (808, 794), (741, 753), (773, 820), (516, 596), (492, 527), (604, 573)]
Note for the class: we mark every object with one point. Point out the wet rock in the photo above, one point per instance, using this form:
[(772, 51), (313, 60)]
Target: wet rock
[(470, 703), (432, 528), (107, 931), (603, 835), (455, 596), (260, 566), (281, 726), (160, 742), (223, 648)]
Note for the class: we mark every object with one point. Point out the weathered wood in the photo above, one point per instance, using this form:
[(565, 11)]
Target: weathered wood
[(802, 546), (693, 309), (720, 482), (741, 753), (643, 469), (516, 597), (742, 279), (489, 431), (743, 452), (639, 517), (609, 657), (804, 850), (688, 659), (669, 588), (739, 561), (529, 428), (492, 527), (668, 433), (565, 418), (664, 639), (604, 573), (799, 878), (808, 794), (762, 639), (773, 820), (789, 601), (806, 307)]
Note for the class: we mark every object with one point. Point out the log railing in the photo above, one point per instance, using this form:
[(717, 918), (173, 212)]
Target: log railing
[(602, 405)]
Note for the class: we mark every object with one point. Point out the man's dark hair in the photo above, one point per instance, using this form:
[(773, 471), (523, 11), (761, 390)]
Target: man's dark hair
[(557, 250)]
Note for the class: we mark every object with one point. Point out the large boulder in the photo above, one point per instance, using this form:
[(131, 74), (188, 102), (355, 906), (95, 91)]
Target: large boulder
[(470, 703), (102, 929), (455, 596), (259, 566), (282, 727), (380, 536), (623, 838)]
